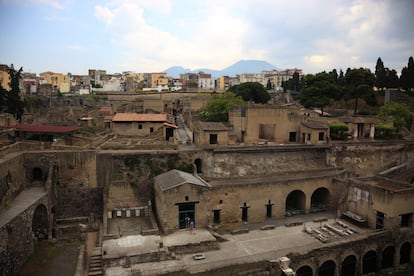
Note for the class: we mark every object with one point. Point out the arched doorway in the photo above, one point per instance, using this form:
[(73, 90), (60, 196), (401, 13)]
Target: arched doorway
[(37, 174), (349, 266), (40, 222), (388, 257), (304, 271), (369, 262), (197, 163), (327, 268), (295, 203), (320, 200), (405, 252)]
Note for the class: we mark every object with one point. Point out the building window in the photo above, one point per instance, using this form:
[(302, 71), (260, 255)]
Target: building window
[(151, 129), (216, 216), (321, 136), (292, 136), (380, 220), (139, 126), (213, 139), (406, 220)]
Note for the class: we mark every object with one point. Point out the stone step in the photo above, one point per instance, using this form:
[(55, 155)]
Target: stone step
[(96, 257), (95, 269), (95, 264), (95, 273)]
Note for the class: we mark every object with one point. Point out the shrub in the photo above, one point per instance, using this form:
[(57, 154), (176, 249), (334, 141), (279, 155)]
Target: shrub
[(385, 132), (338, 131)]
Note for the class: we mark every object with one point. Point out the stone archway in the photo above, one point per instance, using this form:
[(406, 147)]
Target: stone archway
[(369, 262), (349, 266), (37, 174), (405, 253), (304, 271), (295, 203), (327, 268), (198, 163), (320, 200), (388, 257), (40, 222)]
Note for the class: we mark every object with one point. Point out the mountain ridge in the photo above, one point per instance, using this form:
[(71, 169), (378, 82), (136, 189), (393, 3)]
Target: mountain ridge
[(239, 67)]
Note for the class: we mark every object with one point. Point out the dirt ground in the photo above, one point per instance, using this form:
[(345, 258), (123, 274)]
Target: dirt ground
[(52, 259)]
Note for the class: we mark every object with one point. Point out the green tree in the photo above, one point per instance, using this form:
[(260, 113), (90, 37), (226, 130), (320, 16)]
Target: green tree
[(269, 85), (399, 113), (320, 88), (392, 79), (293, 84), (217, 107), (358, 85), (407, 76), (380, 75), (10, 101), (251, 91)]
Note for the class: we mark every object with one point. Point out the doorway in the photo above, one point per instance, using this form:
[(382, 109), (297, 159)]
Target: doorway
[(185, 210)]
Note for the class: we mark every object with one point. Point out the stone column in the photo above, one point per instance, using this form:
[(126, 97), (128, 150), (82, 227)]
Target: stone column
[(372, 131)]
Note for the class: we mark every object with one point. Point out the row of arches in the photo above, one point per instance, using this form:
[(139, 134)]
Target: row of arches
[(296, 201), (349, 265)]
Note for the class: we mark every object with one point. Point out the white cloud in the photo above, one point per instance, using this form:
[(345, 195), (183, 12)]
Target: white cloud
[(215, 41), (104, 14)]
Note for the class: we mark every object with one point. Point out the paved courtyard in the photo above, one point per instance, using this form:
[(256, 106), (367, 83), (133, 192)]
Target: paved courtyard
[(256, 245)]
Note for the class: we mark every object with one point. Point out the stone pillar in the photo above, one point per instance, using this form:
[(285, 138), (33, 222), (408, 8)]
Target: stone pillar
[(396, 258), (372, 132), (355, 134)]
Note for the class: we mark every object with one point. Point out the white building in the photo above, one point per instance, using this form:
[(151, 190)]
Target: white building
[(206, 81)]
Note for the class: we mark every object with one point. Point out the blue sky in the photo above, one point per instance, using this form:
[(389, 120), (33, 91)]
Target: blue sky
[(152, 35)]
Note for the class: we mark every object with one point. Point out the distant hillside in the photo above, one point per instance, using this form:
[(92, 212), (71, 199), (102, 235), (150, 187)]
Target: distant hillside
[(240, 67)]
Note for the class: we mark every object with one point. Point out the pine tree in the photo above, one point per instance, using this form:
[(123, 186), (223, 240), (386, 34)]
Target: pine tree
[(380, 75), (407, 76)]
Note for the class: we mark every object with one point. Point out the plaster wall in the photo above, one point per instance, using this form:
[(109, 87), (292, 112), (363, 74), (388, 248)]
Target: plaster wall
[(12, 180)]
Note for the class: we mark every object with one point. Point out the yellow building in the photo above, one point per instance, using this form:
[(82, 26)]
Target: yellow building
[(159, 79), (4, 76), (223, 83), (57, 80)]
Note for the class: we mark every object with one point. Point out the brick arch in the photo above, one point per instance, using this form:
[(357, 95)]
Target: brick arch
[(388, 254), (304, 270), (320, 199), (295, 202), (40, 222), (369, 262), (37, 174), (327, 268), (406, 249), (349, 265)]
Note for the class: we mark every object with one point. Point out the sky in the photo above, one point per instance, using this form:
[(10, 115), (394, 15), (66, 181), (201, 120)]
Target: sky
[(152, 35)]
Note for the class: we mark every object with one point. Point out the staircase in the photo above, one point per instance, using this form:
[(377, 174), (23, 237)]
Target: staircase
[(95, 262)]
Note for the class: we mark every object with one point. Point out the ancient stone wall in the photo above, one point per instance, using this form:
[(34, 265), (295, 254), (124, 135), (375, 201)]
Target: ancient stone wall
[(17, 240), (261, 160), (12, 180), (364, 159)]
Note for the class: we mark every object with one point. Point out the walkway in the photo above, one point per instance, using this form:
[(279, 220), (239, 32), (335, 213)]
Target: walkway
[(23, 201), (254, 246), (184, 134)]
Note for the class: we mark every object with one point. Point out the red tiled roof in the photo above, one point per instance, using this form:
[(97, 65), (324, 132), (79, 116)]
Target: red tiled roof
[(105, 109), (170, 125), (45, 128), (135, 117)]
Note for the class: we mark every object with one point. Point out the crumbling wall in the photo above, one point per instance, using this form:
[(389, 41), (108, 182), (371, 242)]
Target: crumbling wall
[(12, 180), (364, 159)]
